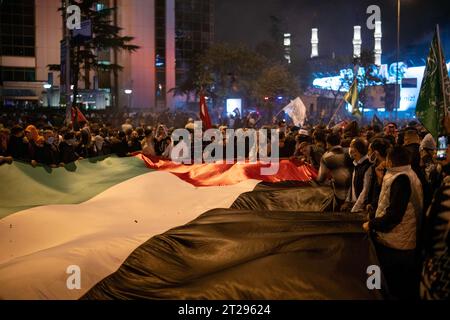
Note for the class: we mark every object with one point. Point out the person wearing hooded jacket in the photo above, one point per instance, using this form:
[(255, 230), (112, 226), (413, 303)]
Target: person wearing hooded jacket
[(35, 145)]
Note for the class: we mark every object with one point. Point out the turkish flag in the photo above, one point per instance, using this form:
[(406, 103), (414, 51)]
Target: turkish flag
[(204, 114)]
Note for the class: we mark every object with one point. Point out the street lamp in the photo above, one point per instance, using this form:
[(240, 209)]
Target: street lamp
[(397, 91), (48, 86), (129, 92)]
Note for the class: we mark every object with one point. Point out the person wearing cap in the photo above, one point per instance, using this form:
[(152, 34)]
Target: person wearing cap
[(430, 167)]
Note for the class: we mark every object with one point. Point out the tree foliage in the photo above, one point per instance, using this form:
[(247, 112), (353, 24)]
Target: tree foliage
[(85, 55), (225, 70)]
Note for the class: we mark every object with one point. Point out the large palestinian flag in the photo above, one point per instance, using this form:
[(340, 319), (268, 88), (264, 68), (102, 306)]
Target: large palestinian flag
[(148, 229)]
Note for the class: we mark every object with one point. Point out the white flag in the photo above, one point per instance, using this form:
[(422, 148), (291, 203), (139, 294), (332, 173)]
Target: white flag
[(296, 110)]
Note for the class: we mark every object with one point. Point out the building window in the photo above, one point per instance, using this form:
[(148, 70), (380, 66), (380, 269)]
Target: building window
[(194, 29), (17, 27), (17, 74)]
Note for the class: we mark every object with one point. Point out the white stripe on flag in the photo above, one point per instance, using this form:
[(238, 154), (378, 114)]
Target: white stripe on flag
[(37, 245)]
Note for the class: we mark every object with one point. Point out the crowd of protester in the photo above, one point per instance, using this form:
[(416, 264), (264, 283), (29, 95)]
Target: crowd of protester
[(390, 175)]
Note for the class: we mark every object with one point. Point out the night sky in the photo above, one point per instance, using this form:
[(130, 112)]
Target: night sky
[(248, 22)]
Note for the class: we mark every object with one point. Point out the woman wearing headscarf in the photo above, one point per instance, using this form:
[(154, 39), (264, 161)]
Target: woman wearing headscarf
[(35, 145)]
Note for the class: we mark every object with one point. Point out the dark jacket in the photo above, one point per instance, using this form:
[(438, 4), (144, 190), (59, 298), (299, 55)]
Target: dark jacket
[(120, 147), (34, 152), (50, 154), (373, 195), (18, 149), (67, 153)]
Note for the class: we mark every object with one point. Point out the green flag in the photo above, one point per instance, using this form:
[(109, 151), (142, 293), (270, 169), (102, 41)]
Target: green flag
[(435, 91), (352, 98)]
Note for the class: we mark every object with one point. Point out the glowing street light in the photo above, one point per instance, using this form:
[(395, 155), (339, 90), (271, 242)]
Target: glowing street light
[(48, 86), (128, 92)]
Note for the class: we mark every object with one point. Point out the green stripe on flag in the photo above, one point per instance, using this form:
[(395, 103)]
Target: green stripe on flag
[(435, 92), (24, 187)]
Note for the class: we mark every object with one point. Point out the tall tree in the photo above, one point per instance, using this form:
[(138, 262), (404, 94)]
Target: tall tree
[(274, 81), (106, 36), (225, 70)]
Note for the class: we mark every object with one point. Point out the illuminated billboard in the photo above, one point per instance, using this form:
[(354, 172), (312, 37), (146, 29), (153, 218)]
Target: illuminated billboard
[(410, 79), (233, 104)]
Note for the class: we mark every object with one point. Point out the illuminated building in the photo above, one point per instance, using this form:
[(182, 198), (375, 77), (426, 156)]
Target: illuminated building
[(168, 32), (410, 79)]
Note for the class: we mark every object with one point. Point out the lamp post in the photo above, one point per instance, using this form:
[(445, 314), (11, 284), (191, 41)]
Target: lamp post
[(397, 91), (48, 87), (129, 92)]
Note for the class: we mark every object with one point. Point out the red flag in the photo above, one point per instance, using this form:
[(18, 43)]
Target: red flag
[(204, 114), (81, 117)]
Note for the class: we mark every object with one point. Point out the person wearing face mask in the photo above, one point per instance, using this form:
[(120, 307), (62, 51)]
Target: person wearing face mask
[(395, 226), (357, 195), (377, 156), (50, 151)]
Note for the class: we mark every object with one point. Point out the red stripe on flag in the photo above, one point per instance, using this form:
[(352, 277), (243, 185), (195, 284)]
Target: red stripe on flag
[(210, 175)]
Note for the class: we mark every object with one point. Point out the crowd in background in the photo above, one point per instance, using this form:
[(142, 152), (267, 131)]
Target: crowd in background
[(387, 173)]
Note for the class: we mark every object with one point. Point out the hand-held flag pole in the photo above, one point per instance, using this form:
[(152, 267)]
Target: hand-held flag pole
[(441, 71), (336, 112)]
